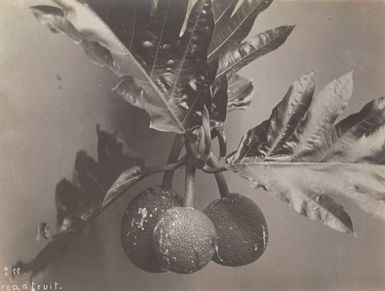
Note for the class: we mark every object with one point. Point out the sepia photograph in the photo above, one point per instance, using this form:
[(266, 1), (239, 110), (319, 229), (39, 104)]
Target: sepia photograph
[(192, 145)]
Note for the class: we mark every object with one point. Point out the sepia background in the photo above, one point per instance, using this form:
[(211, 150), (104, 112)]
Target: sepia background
[(52, 97)]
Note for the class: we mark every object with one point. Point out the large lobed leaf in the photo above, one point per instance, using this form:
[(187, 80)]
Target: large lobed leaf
[(305, 159), (94, 186), (168, 75)]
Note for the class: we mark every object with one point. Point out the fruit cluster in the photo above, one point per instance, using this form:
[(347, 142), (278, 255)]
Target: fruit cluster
[(161, 234)]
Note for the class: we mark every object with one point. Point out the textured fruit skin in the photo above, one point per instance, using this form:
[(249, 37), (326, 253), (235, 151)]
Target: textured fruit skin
[(184, 240), (138, 223), (241, 228)]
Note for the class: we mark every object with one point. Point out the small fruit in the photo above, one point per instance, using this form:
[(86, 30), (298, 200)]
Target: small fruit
[(138, 222), (184, 240), (241, 228)]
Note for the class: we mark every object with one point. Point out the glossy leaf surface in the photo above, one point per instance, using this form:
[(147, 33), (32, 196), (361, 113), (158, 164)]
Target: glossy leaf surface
[(232, 26), (251, 49), (239, 93), (305, 159), (170, 71)]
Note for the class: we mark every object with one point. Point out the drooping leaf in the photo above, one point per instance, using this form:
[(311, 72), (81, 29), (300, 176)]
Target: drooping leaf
[(127, 179), (232, 27), (239, 93), (95, 185), (169, 71), (303, 158), (235, 59)]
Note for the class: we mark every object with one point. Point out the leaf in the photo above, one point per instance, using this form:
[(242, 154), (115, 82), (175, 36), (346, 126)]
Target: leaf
[(314, 133), (239, 93), (269, 139), (361, 136), (303, 158), (233, 60), (183, 74), (169, 72), (83, 25), (232, 27), (95, 185), (127, 179)]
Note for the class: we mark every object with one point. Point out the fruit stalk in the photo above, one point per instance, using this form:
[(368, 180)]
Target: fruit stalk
[(219, 177), (173, 156), (189, 184)]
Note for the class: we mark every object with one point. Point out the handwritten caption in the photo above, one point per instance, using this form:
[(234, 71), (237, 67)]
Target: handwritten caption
[(9, 273)]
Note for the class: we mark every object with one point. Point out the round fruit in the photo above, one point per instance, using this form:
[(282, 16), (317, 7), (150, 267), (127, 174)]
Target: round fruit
[(241, 228), (184, 240), (138, 222)]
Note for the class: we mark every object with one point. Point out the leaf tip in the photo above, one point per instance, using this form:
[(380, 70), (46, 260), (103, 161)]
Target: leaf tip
[(345, 82), (310, 75), (307, 80), (290, 28), (348, 76)]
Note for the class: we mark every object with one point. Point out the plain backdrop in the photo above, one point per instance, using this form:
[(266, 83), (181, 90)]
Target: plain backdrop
[(52, 97)]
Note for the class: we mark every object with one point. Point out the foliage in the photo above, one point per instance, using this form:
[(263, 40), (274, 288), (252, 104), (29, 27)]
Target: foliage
[(302, 157), (179, 61)]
